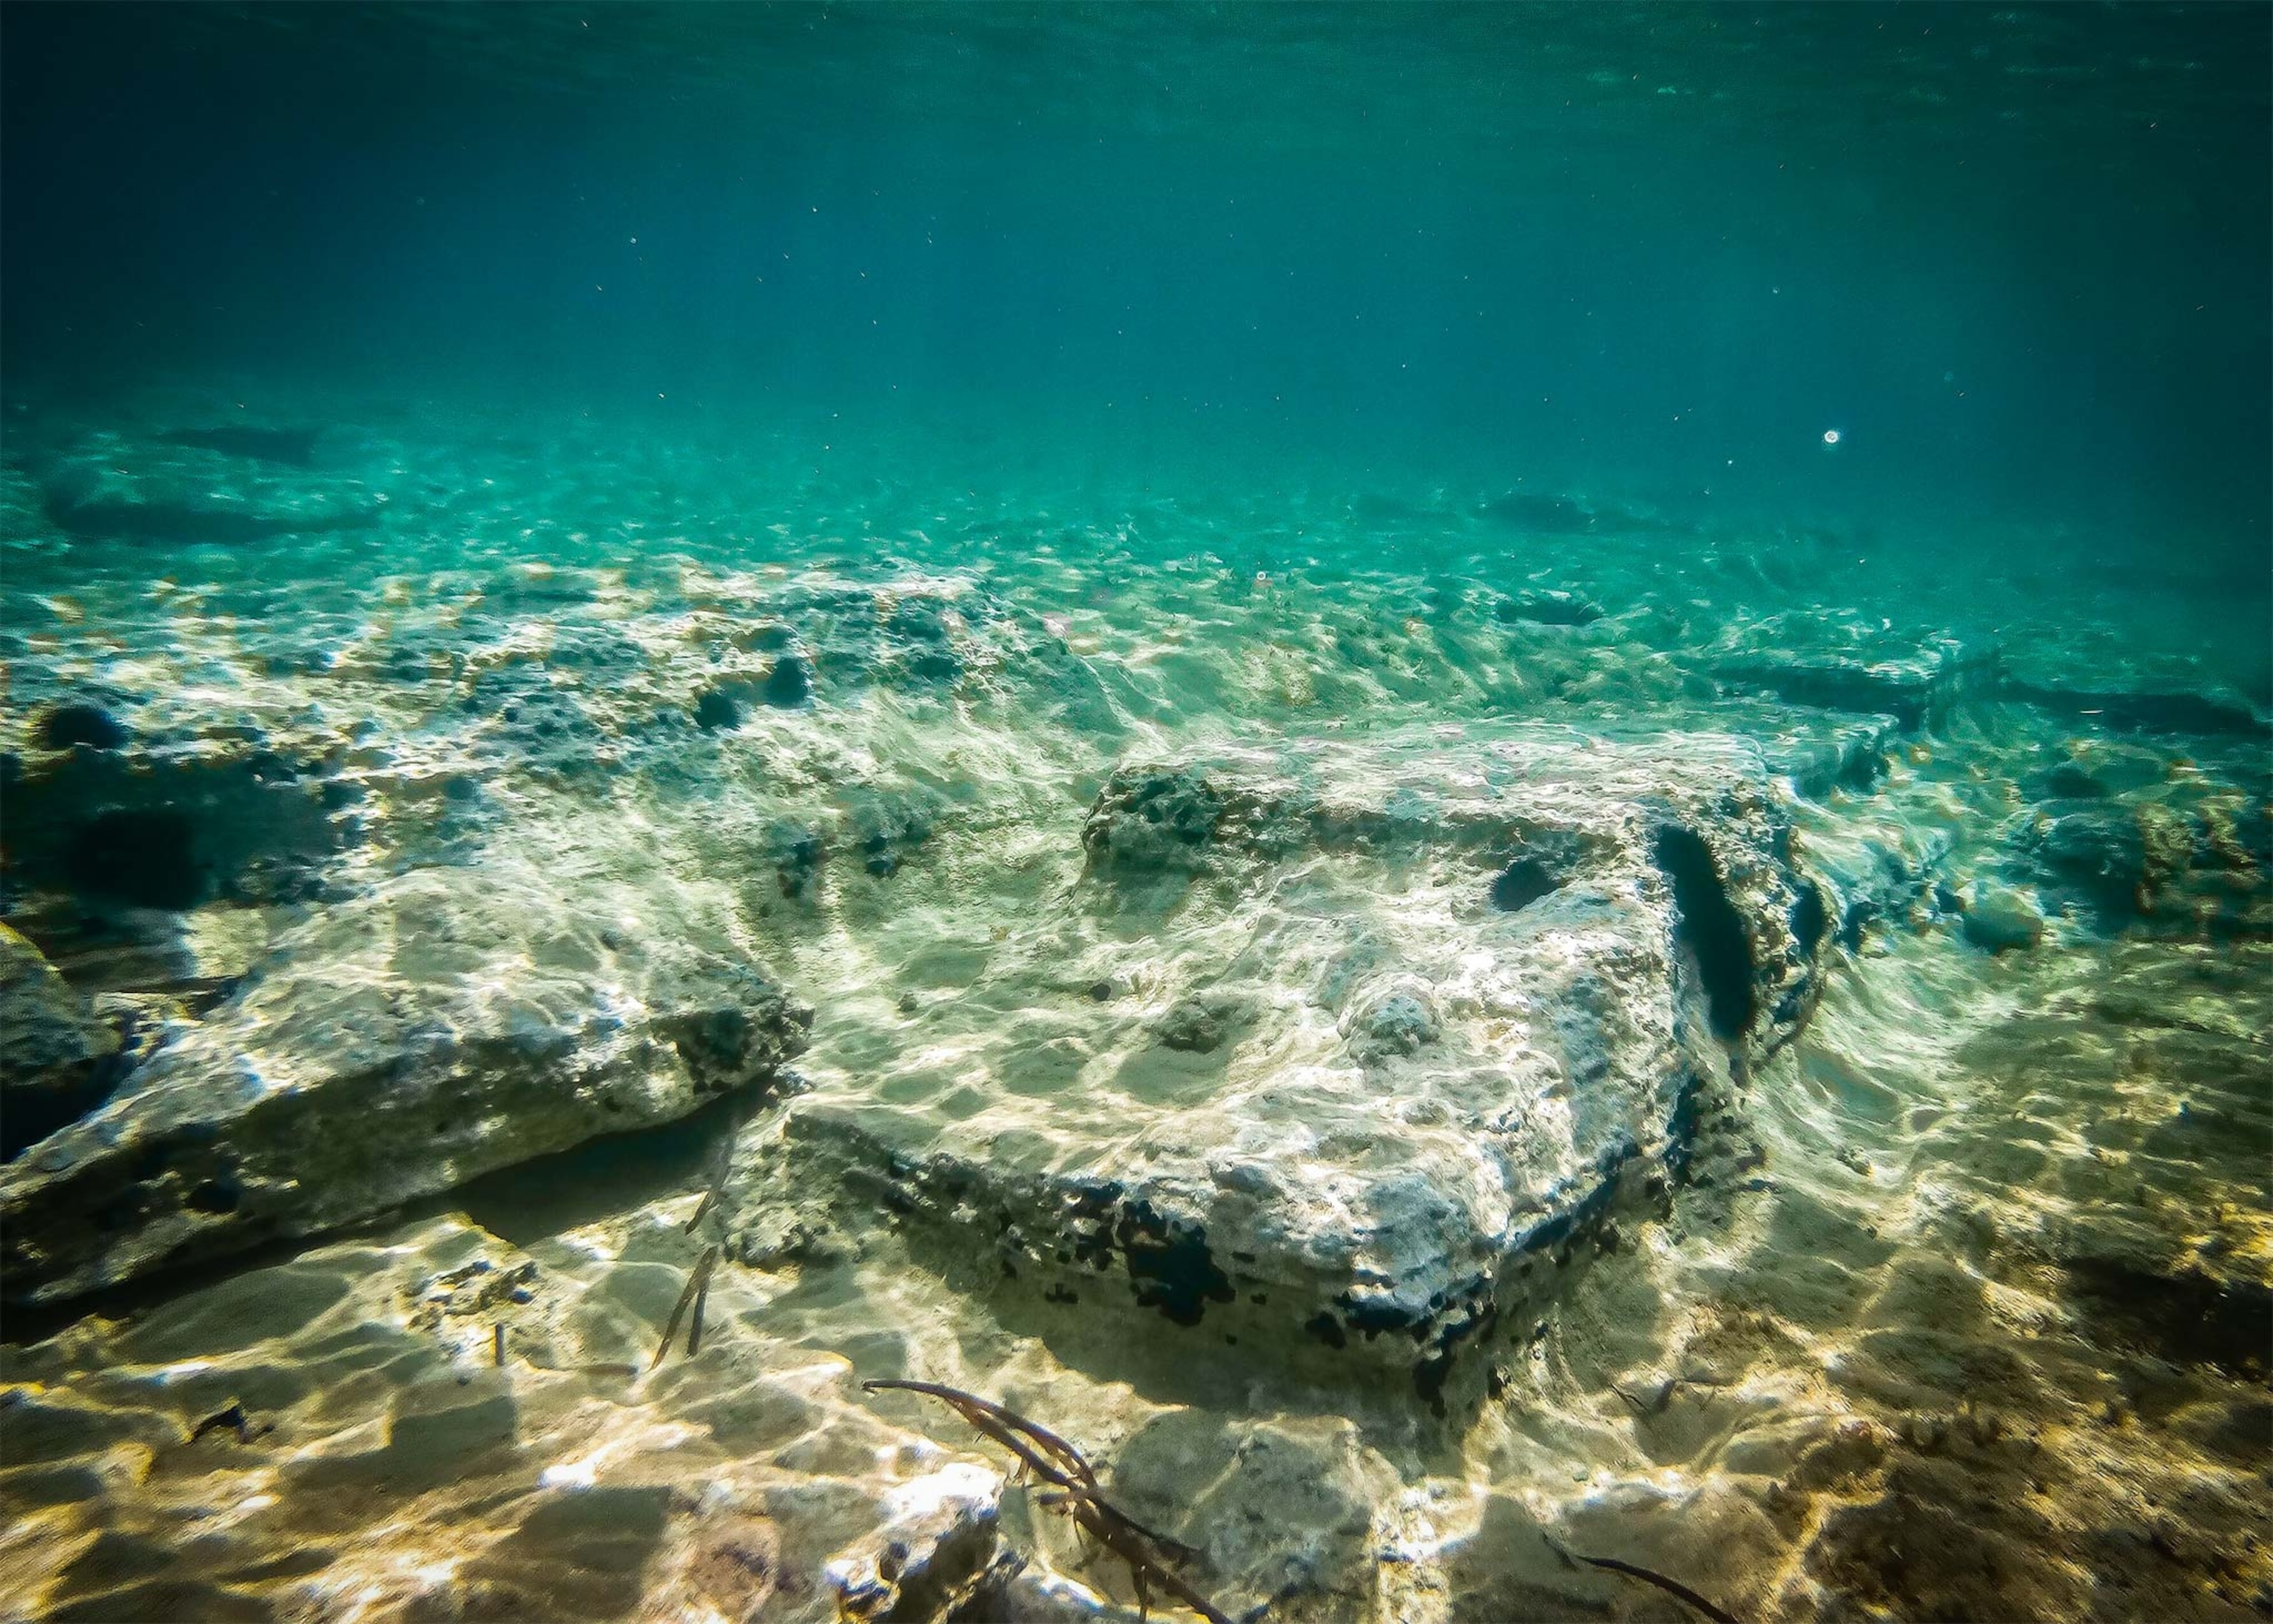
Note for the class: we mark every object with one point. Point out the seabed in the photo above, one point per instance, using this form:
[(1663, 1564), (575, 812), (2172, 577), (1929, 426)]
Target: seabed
[(1430, 1035)]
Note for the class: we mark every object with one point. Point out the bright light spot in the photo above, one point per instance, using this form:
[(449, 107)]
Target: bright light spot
[(1830, 437), (570, 1475)]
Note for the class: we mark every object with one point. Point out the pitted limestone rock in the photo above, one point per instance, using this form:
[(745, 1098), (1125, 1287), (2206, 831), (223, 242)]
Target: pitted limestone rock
[(1428, 1094)]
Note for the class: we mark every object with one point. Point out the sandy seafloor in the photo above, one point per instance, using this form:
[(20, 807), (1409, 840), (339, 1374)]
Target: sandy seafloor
[(1956, 1306)]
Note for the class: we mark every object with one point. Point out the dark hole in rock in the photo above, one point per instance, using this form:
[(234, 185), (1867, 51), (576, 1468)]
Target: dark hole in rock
[(2187, 1316), (1711, 927), (1169, 1267), (214, 1196), (716, 709), (790, 683), (2068, 781), (146, 857), (1520, 884), (611, 1174), (1810, 917), (66, 725), (28, 1114)]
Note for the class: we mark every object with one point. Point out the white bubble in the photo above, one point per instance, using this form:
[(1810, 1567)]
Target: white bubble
[(1830, 437)]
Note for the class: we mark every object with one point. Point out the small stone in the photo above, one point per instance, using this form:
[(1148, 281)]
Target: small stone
[(1195, 1025), (2002, 921), (1401, 1023)]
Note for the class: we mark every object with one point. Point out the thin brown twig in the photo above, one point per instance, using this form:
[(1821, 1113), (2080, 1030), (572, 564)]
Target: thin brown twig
[(1634, 1570), (1074, 1493), (697, 1283)]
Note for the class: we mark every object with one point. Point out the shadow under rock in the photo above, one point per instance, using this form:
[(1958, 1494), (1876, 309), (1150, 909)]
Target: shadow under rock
[(599, 1179)]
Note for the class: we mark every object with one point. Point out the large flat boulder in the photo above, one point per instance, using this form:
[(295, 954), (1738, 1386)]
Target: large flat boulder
[(445, 1024), (1372, 1033)]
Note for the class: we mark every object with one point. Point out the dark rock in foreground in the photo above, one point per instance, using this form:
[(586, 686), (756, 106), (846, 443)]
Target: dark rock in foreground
[(54, 1052)]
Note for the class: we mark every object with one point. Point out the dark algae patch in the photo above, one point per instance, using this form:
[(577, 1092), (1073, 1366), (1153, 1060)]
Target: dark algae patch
[(1169, 1264)]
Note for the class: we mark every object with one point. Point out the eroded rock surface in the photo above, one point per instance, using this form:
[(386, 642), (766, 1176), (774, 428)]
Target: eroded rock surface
[(1374, 1100)]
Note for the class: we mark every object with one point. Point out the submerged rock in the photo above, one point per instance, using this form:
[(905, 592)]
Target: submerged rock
[(2211, 714), (53, 1049), (1997, 920), (448, 1023), (1369, 1182), (1917, 688)]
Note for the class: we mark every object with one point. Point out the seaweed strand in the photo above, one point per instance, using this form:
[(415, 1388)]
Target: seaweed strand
[(1074, 1493), (1634, 1570), (695, 1331)]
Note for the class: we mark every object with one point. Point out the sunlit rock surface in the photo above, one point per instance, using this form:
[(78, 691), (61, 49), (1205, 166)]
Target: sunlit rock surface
[(1340, 1044)]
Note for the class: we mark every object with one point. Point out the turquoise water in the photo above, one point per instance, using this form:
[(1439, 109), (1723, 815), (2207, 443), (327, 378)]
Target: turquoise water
[(2015, 257), (1487, 784)]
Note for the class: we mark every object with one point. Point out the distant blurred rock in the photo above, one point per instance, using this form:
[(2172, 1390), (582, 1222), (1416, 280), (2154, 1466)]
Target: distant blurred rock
[(1551, 607), (1917, 688), (2211, 714)]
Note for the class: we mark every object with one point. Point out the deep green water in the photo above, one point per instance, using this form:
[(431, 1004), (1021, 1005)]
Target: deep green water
[(2016, 258)]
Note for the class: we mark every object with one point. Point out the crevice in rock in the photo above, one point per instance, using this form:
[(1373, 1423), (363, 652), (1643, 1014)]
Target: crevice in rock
[(1708, 925), (144, 856)]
